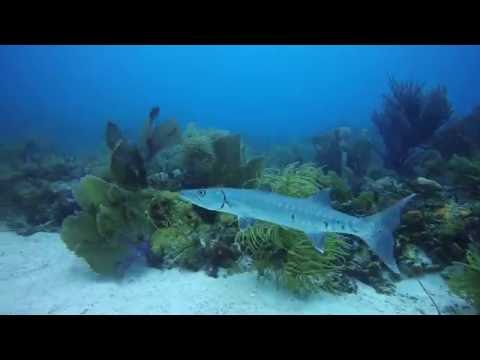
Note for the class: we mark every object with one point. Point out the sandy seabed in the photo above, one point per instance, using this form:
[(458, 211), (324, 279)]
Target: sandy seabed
[(39, 275)]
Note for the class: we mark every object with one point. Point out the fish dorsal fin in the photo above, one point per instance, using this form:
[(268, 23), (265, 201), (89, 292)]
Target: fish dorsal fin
[(322, 197)]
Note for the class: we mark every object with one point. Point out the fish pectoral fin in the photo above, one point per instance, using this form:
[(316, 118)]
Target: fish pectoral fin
[(318, 241), (245, 222)]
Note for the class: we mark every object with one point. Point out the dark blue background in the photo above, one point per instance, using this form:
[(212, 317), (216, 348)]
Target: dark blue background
[(66, 93)]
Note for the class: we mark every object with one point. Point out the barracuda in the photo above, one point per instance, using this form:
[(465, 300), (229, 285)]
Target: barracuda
[(314, 216)]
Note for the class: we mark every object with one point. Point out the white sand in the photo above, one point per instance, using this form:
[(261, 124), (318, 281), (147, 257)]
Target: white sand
[(38, 275)]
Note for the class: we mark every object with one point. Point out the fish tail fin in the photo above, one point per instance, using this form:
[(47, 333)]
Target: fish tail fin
[(379, 234)]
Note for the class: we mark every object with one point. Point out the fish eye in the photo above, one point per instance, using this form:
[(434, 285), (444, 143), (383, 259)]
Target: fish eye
[(202, 192)]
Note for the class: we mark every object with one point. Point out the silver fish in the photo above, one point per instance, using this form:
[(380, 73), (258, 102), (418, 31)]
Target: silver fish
[(314, 216)]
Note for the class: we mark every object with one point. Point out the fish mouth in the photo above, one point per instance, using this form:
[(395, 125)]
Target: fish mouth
[(182, 194)]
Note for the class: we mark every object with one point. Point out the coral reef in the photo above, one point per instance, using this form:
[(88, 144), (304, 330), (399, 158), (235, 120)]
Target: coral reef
[(466, 283), (115, 224), (214, 158), (183, 239), (289, 258), (461, 137), (127, 167), (128, 161), (302, 180), (126, 208), (409, 118), (280, 155), (156, 138), (344, 152), (441, 228), (112, 221), (35, 187), (423, 162), (466, 173), (349, 154)]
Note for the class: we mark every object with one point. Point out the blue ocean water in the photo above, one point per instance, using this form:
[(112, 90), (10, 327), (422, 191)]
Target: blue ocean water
[(269, 94)]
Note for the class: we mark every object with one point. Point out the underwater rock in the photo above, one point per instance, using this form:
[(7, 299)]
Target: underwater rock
[(158, 180), (227, 168), (217, 159), (386, 190), (414, 219), (176, 247), (38, 205), (461, 137), (423, 162), (364, 266), (466, 173), (36, 187), (165, 181), (177, 173), (167, 160), (198, 159), (413, 261), (426, 186), (218, 248), (442, 229)]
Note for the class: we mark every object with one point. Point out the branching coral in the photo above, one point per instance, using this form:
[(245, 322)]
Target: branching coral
[(409, 118), (289, 258), (286, 255), (293, 180), (127, 165), (467, 283), (305, 270), (302, 180)]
